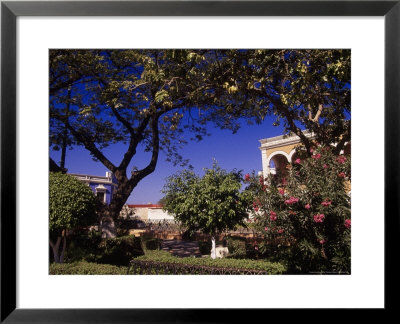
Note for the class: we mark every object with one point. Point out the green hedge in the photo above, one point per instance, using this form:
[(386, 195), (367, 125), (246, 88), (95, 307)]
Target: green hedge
[(85, 268), (163, 256), (91, 248)]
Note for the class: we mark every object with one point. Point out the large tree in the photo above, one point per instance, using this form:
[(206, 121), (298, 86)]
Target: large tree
[(145, 99), (304, 89), (149, 99)]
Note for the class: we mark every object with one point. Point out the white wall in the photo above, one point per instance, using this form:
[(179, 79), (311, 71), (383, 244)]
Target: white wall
[(158, 214)]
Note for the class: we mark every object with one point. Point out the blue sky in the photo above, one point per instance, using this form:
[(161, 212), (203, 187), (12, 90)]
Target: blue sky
[(240, 151)]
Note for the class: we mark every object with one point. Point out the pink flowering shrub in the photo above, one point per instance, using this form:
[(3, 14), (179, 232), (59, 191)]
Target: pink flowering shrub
[(305, 220)]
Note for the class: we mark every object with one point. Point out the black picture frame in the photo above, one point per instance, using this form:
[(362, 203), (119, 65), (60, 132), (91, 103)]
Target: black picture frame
[(10, 10)]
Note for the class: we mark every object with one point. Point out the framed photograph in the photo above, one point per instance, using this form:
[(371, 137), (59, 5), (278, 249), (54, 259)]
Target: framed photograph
[(36, 39)]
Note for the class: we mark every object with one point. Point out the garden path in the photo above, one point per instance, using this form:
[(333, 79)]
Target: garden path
[(181, 248)]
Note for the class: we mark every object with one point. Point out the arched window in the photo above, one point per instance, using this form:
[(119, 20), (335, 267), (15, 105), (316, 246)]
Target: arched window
[(278, 163), (101, 193)]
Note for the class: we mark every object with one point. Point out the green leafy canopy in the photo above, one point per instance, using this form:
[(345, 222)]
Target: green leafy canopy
[(71, 203), (212, 203)]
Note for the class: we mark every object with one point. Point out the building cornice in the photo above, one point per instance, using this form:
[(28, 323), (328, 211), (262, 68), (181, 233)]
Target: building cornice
[(93, 179), (282, 140)]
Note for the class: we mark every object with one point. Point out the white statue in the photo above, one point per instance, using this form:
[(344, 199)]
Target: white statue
[(222, 252), (213, 252)]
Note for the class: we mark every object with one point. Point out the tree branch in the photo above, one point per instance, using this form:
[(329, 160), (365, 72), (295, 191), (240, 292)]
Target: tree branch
[(139, 175), (123, 120), (136, 137), (292, 126), (90, 146), (316, 118)]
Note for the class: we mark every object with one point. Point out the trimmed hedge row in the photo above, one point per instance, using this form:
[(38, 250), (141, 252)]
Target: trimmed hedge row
[(86, 268), (163, 256)]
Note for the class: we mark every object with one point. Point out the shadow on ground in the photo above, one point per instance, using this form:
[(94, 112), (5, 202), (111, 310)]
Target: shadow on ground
[(181, 248)]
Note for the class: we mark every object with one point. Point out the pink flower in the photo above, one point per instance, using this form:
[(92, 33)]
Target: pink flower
[(261, 180), (311, 150), (256, 209), (272, 216), (316, 156), (247, 177), (266, 228), (282, 191), (342, 175), (291, 201), (319, 218), (326, 203), (341, 159), (322, 241), (347, 223), (307, 206), (297, 161), (325, 166), (280, 231), (292, 212), (256, 248)]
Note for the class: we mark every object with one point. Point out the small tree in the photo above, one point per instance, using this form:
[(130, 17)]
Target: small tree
[(305, 216), (212, 203), (71, 204)]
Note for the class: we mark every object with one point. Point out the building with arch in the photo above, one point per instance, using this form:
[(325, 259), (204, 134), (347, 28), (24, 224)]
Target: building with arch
[(278, 151)]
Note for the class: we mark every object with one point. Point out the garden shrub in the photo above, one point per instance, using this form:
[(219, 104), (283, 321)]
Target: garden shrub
[(120, 250), (149, 242), (84, 246), (153, 244), (237, 247), (304, 215), (90, 247), (86, 268), (72, 205), (205, 247), (164, 256)]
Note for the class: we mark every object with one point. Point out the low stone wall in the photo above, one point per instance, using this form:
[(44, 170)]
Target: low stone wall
[(174, 235)]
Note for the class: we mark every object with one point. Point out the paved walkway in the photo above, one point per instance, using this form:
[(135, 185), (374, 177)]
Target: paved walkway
[(181, 248)]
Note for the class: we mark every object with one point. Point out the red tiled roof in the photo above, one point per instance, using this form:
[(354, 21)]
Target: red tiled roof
[(145, 206)]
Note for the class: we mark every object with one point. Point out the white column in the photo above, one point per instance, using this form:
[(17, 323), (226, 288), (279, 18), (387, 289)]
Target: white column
[(265, 165)]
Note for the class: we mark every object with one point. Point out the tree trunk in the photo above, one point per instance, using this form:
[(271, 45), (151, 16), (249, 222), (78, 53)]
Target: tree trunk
[(63, 248), (55, 247), (65, 132), (110, 213), (213, 251), (108, 228)]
